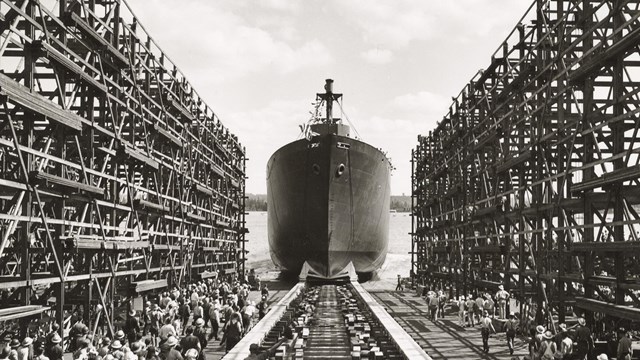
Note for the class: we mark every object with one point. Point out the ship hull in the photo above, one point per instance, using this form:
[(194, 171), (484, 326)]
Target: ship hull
[(328, 205)]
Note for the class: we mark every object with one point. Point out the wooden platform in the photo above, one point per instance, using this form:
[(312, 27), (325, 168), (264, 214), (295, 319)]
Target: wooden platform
[(444, 339), (276, 291)]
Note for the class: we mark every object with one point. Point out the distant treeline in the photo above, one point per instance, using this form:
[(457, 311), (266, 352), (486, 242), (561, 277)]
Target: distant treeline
[(258, 202)]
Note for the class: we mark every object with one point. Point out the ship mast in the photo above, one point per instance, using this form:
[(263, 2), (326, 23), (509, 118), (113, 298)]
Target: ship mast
[(329, 97)]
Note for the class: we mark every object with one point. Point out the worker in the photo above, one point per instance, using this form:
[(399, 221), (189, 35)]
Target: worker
[(461, 310), (624, 346), (486, 329), (470, 310), (399, 286), (254, 351), (548, 347), (502, 296), (511, 327), (584, 341)]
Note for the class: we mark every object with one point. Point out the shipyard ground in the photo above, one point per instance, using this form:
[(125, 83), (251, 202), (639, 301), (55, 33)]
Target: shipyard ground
[(443, 339)]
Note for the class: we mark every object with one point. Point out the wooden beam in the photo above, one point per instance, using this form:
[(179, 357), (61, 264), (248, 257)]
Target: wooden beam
[(38, 104), (619, 311)]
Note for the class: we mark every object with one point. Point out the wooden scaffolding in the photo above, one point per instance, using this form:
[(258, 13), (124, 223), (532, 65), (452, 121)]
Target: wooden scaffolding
[(532, 178), (116, 178)]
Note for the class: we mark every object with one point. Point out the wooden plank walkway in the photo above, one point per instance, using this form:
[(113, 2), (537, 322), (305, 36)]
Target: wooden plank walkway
[(444, 339), (277, 290)]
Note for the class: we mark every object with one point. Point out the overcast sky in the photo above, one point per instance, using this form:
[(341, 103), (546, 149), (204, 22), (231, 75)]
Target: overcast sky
[(259, 64)]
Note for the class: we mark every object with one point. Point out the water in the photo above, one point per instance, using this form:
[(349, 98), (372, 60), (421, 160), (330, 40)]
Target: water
[(398, 258)]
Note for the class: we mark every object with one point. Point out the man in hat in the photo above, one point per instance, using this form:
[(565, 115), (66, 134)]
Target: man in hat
[(25, 350), (548, 347), (539, 336), (168, 351), (14, 345), (201, 333), (55, 351), (120, 336), (255, 354), (584, 341), (487, 328), (511, 327), (502, 296), (131, 326), (116, 349), (54, 330)]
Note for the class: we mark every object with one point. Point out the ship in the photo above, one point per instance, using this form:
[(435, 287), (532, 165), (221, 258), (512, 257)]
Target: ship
[(328, 197)]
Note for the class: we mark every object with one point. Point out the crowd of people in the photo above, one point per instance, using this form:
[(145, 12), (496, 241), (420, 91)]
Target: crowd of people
[(178, 324), (562, 342)]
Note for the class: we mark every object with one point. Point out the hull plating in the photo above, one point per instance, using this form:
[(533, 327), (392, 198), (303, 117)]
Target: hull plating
[(328, 204)]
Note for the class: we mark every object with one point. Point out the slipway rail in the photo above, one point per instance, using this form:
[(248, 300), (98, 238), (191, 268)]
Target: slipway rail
[(336, 321)]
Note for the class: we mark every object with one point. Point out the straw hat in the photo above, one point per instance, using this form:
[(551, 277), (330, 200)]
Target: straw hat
[(15, 343), (27, 341), (56, 339), (540, 329), (132, 312), (548, 335), (602, 356), (191, 353), (136, 347), (171, 342), (116, 345), (563, 327), (200, 322), (501, 287), (581, 321), (119, 335)]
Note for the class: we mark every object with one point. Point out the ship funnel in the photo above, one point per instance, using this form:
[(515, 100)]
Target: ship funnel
[(328, 86)]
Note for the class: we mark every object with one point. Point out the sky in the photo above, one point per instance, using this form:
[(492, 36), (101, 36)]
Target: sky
[(259, 64)]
